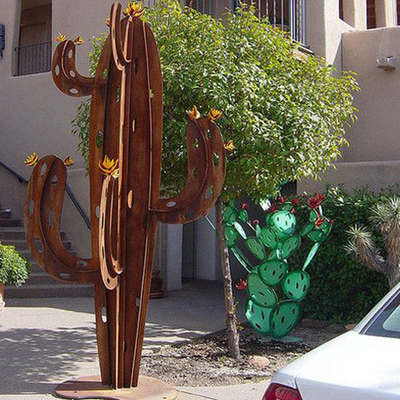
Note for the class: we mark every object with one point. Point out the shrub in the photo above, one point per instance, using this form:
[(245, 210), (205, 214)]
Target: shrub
[(14, 269), (342, 289)]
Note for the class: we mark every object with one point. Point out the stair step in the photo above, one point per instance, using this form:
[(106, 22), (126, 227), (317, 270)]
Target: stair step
[(16, 233), (26, 253), (21, 245), (35, 269), (6, 222), (5, 213), (44, 291), (39, 284), (41, 278)]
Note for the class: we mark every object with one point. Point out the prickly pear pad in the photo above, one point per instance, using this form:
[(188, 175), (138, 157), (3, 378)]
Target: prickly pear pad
[(275, 289)]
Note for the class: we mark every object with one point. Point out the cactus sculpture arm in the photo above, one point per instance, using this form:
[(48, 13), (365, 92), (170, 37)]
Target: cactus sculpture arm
[(65, 75), (120, 48), (126, 125), (43, 208), (206, 170)]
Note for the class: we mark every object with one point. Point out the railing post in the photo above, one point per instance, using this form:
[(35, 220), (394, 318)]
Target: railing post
[(281, 13)]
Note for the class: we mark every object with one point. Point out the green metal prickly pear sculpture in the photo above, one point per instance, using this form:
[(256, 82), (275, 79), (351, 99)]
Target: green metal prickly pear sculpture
[(275, 291), (125, 147)]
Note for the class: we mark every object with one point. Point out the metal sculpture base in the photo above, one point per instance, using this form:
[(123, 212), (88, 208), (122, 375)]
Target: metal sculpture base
[(90, 387)]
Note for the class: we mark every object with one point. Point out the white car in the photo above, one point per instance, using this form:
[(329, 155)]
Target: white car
[(363, 364)]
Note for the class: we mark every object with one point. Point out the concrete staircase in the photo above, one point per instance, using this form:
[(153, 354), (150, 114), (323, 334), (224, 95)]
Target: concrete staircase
[(39, 284)]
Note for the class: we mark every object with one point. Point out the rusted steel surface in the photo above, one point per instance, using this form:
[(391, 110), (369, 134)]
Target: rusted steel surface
[(125, 124), (91, 387)]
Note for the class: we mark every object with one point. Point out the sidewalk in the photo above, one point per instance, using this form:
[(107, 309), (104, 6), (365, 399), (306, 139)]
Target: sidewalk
[(46, 341)]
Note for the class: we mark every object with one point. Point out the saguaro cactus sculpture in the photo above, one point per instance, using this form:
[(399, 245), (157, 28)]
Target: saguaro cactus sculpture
[(125, 126)]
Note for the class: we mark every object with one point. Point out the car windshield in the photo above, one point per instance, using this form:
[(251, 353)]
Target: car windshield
[(386, 321)]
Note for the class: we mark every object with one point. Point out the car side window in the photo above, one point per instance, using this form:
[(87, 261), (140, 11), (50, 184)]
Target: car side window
[(386, 322), (392, 322)]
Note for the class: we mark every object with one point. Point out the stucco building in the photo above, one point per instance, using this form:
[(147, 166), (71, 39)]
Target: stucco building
[(35, 116)]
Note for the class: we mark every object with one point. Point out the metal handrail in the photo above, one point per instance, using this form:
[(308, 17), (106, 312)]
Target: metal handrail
[(67, 189), (33, 58), (288, 15), (33, 45)]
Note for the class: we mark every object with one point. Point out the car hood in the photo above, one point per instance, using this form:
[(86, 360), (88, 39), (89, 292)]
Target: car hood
[(349, 367)]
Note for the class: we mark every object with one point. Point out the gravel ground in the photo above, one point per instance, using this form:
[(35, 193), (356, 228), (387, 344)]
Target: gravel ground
[(205, 361)]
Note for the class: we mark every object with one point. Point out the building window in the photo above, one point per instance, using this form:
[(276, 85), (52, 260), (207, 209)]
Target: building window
[(398, 12), (33, 55), (371, 16), (341, 13), (288, 15)]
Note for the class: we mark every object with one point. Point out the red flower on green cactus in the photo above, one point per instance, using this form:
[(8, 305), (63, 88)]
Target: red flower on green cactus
[(316, 201), (256, 222), (273, 208), (245, 206), (295, 202), (331, 221), (293, 211), (282, 199), (241, 285), (319, 222)]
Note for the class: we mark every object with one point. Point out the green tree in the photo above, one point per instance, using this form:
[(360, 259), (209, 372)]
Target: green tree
[(285, 114)]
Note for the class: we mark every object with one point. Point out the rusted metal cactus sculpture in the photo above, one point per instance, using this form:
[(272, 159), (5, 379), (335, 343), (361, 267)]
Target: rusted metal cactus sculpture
[(125, 125)]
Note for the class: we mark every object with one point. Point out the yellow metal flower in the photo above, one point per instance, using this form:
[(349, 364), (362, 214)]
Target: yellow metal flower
[(134, 9), (69, 161), (193, 114), (31, 160), (60, 38), (78, 40), (108, 21), (108, 165), (214, 114), (229, 146)]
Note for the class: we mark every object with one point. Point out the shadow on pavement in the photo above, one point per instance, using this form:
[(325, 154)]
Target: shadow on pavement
[(30, 359)]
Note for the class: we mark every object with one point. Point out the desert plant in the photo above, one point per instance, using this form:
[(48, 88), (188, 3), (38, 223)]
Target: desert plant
[(385, 217), (274, 285), (14, 269), (286, 117), (342, 289)]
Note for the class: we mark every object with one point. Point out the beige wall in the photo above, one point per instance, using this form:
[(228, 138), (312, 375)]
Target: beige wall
[(34, 114), (375, 136), (324, 29), (372, 174), (373, 154)]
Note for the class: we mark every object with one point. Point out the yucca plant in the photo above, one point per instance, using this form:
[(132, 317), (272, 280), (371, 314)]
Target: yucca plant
[(386, 218)]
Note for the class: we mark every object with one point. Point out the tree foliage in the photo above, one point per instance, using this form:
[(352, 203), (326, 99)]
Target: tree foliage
[(285, 115)]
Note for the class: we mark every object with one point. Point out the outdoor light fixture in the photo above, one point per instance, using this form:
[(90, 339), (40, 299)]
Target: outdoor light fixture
[(2, 39), (387, 63)]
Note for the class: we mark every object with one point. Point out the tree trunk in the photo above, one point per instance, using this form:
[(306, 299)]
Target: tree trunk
[(393, 275), (2, 304), (231, 322)]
